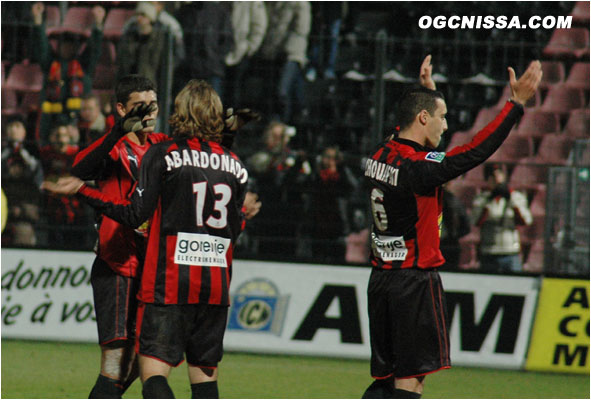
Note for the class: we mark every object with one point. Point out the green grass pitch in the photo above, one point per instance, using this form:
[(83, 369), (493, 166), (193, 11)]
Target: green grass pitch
[(68, 370)]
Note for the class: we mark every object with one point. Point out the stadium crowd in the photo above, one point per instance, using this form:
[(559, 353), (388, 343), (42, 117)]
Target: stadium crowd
[(313, 70)]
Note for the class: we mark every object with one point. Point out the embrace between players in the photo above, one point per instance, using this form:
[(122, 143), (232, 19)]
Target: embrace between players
[(169, 223)]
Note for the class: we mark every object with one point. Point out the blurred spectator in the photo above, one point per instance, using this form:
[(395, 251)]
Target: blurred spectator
[(284, 50), (21, 177), (497, 211), (277, 174), (167, 22), (93, 123), (249, 24), (208, 38), (329, 189), (142, 47), (66, 217), (326, 25), (68, 74), (455, 225)]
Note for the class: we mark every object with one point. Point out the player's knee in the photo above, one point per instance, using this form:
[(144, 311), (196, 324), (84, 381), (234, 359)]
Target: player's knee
[(156, 387)]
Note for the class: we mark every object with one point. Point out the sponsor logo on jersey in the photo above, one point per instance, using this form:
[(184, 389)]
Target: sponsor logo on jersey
[(389, 248), (201, 249), (258, 307), (435, 156)]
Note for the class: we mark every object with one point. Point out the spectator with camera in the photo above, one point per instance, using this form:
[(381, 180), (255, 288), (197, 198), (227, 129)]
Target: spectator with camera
[(498, 211)]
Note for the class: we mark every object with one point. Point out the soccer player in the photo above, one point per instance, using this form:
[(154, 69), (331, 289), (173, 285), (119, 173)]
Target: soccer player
[(406, 302), (113, 162), (192, 189)]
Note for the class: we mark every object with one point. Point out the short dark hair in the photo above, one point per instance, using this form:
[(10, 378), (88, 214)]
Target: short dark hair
[(413, 101), (132, 83)]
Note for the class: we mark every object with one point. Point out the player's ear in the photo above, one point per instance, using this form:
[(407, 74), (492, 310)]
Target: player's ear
[(423, 117), (120, 107)]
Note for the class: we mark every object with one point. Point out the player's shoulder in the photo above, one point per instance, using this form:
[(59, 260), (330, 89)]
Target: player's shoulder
[(158, 137)]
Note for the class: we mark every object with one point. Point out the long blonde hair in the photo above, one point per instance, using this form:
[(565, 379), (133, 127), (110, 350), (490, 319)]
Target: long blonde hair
[(198, 112)]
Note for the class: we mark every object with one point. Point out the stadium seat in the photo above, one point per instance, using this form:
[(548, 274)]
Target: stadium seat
[(483, 118), (78, 20), (25, 78), (52, 17), (475, 177), (579, 75), (554, 149), (562, 99), (9, 102), (526, 176), (577, 125), (538, 203), (535, 257), (568, 43), (513, 149), (114, 22), (580, 13), (553, 73), (537, 123)]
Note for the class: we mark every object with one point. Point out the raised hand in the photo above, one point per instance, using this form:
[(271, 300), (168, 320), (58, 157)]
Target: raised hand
[(251, 205), (425, 74), (235, 120), (135, 120), (99, 15), (37, 11), (524, 88)]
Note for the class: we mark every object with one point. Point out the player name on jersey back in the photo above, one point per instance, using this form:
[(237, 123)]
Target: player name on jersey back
[(202, 159), (381, 172)]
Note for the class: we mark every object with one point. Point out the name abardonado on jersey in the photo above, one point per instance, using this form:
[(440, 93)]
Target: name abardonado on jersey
[(201, 159)]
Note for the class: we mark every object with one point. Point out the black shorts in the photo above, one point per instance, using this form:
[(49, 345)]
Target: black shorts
[(115, 303), (407, 323), (166, 332)]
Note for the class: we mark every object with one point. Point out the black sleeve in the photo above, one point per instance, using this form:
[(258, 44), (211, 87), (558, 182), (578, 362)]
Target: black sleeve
[(429, 170), (94, 161), (144, 198)]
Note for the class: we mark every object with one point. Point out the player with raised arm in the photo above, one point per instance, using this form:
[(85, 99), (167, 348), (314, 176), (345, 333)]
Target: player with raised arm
[(192, 190), (406, 302), (113, 162)]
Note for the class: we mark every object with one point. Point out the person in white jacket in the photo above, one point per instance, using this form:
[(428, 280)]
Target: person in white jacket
[(498, 211), (249, 25)]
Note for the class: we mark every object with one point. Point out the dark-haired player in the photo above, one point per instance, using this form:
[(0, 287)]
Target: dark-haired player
[(113, 163), (406, 302), (192, 189)]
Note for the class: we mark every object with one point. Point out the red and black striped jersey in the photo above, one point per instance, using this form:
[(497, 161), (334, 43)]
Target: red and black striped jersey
[(193, 192), (406, 195), (113, 162)]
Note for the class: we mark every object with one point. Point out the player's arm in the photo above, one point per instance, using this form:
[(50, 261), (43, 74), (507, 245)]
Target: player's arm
[(143, 201), (433, 169)]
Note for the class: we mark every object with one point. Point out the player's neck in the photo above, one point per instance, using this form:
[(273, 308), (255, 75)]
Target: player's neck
[(137, 137), (413, 135)]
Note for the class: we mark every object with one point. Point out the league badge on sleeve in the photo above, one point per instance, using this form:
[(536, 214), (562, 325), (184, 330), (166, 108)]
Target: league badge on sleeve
[(435, 156)]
